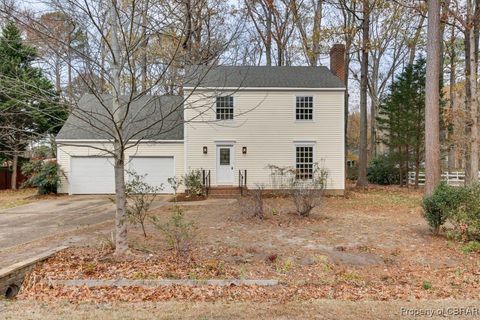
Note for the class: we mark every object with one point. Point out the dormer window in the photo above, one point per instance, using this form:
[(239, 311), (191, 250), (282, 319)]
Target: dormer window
[(304, 108), (224, 108)]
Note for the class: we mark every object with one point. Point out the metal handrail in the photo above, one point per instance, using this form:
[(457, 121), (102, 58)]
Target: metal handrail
[(206, 180), (242, 180)]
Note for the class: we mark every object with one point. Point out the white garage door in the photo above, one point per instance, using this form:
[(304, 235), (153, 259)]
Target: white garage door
[(92, 175), (156, 169)]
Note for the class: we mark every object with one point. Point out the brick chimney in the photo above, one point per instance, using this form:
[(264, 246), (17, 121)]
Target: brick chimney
[(337, 61)]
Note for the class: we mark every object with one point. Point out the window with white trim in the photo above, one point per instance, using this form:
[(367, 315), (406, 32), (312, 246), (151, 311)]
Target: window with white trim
[(304, 108), (224, 108), (304, 162)]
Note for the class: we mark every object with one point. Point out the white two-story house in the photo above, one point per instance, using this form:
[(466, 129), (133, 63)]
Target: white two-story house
[(231, 121)]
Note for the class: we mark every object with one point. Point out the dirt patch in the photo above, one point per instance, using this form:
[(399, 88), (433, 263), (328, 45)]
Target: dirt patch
[(373, 245)]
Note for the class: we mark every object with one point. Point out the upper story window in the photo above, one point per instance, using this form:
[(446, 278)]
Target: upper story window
[(224, 108), (304, 108)]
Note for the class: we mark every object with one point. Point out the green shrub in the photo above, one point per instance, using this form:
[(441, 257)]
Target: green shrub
[(438, 207), (193, 183), (460, 205), (381, 170), (472, 246), (426, 285), (45, 175), (465, 214)]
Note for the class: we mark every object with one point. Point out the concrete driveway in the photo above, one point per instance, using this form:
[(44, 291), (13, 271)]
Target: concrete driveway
[(47, 224), (47, 217)]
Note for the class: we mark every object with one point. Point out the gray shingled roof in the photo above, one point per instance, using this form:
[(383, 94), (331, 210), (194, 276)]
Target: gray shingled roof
[(261, 77), (150, 117)]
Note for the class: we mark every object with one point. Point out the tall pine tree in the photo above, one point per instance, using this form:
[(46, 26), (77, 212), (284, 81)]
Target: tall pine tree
[(401, 118), (29, 105)]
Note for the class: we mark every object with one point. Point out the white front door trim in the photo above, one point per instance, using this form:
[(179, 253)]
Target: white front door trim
[(225, 174)]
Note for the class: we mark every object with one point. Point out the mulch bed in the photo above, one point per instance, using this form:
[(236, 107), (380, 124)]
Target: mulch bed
[(181, 197)]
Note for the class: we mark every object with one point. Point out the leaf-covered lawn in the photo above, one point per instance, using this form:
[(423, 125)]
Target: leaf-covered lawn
[(14, 198), (371, 245)]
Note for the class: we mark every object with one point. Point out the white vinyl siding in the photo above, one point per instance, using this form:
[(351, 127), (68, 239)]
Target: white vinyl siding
[(265, 125), (66, 152)]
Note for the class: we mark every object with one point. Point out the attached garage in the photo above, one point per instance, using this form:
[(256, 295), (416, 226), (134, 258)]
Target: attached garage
[(92, 175), (156, 169), (84, 147)]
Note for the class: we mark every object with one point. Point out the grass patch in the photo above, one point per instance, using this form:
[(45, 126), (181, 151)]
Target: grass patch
[(470, 247), (426, 285)]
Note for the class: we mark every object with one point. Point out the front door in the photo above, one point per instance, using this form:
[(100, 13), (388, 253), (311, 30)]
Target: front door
[(225, 168)]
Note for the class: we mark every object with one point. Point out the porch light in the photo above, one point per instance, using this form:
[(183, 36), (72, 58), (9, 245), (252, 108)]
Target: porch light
[(205, 150), (244, 150)]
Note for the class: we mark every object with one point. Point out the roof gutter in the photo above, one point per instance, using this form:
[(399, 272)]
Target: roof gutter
[(60, 141), (263, 89)]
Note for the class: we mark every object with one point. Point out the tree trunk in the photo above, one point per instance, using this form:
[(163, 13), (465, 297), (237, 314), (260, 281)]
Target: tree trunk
[(121, 243), (103, 54), (121, 239), (407, 163), (413, 48), (268, 42), (473, 107), (432, 99), (14, 170), (374, 103), (143, 60), (362, 162), (58, 81), (468, 100), (69, 68), (450, 132), (317, 24), (400, 167), (417, 171)]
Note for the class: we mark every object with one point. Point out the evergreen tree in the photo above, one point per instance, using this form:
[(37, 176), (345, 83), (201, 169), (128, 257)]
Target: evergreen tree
[(29, 106), (401, 118)]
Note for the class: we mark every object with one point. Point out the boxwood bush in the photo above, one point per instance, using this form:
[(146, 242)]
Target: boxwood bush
[(440, 205), (458, 205), (381, 170)]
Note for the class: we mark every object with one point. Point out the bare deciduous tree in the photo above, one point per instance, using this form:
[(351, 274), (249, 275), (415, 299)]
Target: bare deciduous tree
[(115, 39)]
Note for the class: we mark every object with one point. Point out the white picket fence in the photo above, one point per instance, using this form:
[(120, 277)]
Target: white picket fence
[(456, 178)]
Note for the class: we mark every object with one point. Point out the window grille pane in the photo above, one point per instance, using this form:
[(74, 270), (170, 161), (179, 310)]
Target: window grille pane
[(304, 162), (304, 108), (224, 108), (224, 156)]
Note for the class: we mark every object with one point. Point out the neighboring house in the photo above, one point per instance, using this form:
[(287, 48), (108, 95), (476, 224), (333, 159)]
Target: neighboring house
[(235, 120)]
